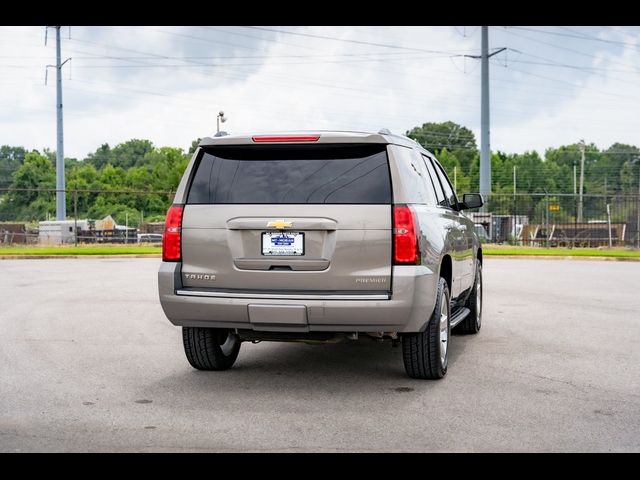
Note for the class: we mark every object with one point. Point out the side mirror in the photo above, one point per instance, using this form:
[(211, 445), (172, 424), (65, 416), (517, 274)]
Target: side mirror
[(471, 200)]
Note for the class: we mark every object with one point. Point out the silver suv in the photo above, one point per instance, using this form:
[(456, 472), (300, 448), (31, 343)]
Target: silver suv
[(320, 237)]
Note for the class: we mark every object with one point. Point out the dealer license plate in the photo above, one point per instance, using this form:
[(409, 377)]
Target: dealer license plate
[(280, 243)]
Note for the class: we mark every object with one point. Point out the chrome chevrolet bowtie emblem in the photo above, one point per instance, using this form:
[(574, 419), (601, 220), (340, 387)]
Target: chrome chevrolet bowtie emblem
[(279, 224)]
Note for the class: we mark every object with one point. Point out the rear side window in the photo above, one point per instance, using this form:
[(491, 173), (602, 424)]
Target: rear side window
[(346, 174), (446, 185), (435, 182), (417, 185)]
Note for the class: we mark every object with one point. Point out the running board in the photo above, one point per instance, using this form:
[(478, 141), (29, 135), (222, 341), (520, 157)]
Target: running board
[(459, 316)]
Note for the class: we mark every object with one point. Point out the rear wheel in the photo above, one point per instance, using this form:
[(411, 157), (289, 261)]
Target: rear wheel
[(426, 354), (210, 348), (473, 322)]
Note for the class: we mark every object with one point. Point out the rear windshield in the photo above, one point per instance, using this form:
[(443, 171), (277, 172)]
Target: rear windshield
[(347, 174)]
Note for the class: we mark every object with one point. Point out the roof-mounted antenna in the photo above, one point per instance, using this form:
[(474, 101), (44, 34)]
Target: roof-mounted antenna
[(385, 131)]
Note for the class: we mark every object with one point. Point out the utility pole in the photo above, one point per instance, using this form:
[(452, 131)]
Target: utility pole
[(75, 216), (609, 223), (637, 205), (455, 178), (638, 214), (575, 193), (515, 184), (580, 200), (485, 148), (61, 205)]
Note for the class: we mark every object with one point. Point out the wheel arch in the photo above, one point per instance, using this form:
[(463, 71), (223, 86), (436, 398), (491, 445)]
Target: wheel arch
[(446, 270)]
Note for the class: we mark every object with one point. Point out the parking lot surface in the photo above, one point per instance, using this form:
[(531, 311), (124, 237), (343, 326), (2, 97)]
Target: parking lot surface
[(88, 362)]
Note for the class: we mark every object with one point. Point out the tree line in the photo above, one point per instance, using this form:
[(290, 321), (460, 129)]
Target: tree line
[(141, 166), (135, 165), (613, 171)]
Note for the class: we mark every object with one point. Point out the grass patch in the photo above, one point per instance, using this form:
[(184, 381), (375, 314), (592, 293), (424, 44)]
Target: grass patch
[(560, 252), (81, 250), (492, 250)]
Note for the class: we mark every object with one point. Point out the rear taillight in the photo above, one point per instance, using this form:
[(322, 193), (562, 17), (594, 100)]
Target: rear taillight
[(171, 240), (405, 238)]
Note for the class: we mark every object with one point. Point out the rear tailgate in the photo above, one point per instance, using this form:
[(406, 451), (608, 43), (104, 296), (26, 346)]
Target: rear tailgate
[(303, 218)]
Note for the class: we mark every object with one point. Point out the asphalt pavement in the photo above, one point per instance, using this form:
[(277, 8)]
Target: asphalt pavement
[(88, 362)]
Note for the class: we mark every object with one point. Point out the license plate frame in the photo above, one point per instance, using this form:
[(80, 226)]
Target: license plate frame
[(296, 250)]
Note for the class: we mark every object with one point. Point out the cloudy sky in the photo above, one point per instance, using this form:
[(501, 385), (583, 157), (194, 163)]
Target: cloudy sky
[(552, 86)]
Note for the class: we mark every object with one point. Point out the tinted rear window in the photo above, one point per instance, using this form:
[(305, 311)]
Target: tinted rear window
[(348, 174)]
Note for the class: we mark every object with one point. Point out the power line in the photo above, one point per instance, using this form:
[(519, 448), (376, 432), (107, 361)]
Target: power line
[(562, 47), (557, 64), (346, 40), (225, 65), (201, 39), (552, 63), (307, 81), (580, 36), (337, 86), (199, 64), (464, 31), (440, 76), (573, 84), (264, 39), (216, 57)]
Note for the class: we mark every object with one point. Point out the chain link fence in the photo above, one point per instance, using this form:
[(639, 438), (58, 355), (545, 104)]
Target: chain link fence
[(27, 216), (566, 220)]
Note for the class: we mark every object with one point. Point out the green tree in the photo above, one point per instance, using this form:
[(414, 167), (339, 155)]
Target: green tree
[(193, 146), (82, 176), (630, 177), (100, 157), (138, 165), (620, 153), (596, 167), (532, 173), (455, 138), (121, 212), (36, 172), (131, 153), (10, 160), (625, 161), (168, 165), (124, 155), (50, 154), (502, 172), (460, 179)]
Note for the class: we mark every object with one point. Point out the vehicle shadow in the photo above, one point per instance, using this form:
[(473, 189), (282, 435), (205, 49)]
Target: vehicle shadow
[(364, 367)]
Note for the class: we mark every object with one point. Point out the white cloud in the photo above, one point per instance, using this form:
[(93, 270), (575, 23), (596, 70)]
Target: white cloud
[(603, 111), (328, 86)]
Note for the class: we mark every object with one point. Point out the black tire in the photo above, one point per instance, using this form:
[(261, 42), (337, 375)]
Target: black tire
[(210, 348), (421, 351), (471, 325)]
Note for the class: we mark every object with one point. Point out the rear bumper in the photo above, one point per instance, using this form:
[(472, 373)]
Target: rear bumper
[(407, 310)]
